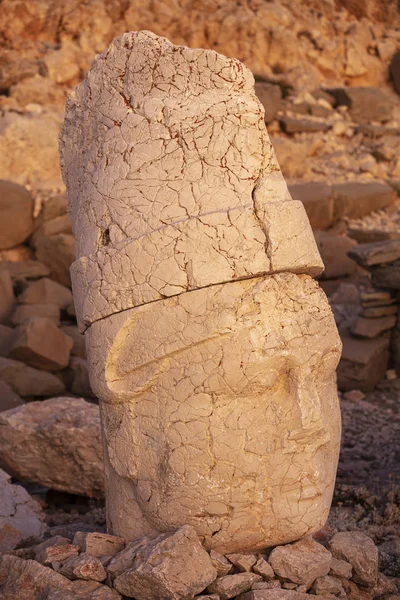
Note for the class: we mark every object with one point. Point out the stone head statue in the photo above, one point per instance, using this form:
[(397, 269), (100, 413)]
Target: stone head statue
[(211, 348)]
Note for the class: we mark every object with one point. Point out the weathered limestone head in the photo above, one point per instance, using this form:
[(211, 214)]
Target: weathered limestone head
[(211, 348)]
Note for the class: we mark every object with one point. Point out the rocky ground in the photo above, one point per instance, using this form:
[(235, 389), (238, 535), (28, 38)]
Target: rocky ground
[(328, 75)]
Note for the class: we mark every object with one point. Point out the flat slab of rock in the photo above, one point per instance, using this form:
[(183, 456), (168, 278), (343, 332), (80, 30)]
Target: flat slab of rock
[(293, 125), (40, 344), (365, 104), (233, 585), (355, 199), (20, 516), (378, 253), (360, 551), (371, 328), (302, 562), (26, 381), (220, 563), (172, 566), (55, 443)]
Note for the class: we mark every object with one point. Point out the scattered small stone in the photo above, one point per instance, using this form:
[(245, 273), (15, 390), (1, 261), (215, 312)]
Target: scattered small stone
[(263, 568), (243, 562), (354, 395), (360, 551), (289, 586), (99, 544), (84, 567), (328, 585), (220, 563), (293, 125), (302, 562), (230, 586), (170, 566), (276, 594), (341, 568), (56, 553), (391, 375), (266, 585)]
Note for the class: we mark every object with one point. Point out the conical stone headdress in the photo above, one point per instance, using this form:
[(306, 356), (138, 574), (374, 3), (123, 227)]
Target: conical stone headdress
[(172, 180)]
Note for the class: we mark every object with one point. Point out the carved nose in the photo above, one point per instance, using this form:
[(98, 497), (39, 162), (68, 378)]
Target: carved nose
[(312, 431)]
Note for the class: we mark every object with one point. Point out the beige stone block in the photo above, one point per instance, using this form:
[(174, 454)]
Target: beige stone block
[(40, 344), (334, 249), (46, 291), (16, 209), (355, 199), (25, 312)]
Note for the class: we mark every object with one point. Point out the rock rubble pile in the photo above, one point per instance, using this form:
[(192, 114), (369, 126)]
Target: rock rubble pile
[(175, 566)]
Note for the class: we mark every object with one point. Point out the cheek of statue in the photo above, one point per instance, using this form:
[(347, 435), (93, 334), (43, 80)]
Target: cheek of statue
[(221, 431)]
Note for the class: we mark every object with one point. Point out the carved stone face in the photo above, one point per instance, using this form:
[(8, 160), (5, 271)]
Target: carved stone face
[(220, 410), (211, 349)]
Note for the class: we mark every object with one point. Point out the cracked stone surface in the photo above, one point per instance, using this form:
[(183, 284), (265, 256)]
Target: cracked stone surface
[(172, 180), (211, 348)]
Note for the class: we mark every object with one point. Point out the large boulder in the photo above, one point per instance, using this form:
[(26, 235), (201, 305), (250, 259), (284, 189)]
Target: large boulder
[(360, 551), (55, 443), (16, 208)]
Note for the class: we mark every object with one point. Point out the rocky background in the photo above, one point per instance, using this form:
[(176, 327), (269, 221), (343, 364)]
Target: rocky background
[(328, 75)]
